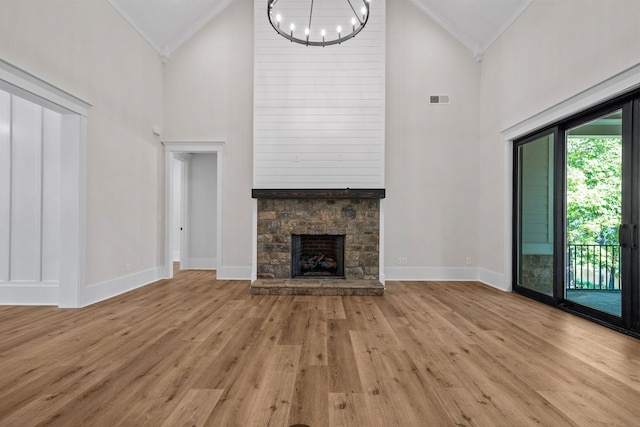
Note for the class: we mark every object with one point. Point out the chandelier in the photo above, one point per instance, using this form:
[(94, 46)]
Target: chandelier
[(331, 22)]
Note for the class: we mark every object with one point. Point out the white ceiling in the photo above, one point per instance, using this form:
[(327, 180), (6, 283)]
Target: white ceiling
[(166, 24)]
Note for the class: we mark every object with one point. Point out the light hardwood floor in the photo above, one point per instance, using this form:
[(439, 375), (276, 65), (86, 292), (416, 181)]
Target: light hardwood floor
[(196, 351)]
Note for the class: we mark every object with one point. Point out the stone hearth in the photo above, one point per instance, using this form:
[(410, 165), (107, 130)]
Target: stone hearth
[(317, 287)]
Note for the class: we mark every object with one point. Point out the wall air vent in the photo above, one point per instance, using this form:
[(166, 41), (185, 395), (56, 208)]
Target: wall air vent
[(439, 99)]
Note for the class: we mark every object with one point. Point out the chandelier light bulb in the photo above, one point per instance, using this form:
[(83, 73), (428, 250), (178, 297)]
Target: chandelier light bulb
[(316, 17)]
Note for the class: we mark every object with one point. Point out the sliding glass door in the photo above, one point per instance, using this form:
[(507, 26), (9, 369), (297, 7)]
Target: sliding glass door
[(576, 214)]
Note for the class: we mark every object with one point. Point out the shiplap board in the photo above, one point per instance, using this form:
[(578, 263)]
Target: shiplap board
[(319, 113)]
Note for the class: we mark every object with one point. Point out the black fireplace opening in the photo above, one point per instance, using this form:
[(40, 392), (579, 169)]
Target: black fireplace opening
[(317, 256)]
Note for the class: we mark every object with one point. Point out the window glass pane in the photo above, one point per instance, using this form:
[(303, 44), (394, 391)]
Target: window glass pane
[(594, 213), (535, 216)]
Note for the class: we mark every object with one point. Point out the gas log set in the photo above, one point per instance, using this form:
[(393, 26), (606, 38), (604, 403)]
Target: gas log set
[(318, 265)]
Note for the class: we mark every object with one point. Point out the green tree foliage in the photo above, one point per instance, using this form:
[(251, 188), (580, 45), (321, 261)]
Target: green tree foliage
[(594, 184)]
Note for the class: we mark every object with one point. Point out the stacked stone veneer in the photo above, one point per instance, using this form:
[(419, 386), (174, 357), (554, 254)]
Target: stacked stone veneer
[(357, 219), (537, 272)]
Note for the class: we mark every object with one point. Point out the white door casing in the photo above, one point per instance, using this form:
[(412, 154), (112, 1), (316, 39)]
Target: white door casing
[(181, 148)]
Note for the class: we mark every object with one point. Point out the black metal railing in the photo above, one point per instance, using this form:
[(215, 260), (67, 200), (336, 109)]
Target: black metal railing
[(593, 267)]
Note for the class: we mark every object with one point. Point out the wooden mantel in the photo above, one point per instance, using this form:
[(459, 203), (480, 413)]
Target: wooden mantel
[(317, 193)]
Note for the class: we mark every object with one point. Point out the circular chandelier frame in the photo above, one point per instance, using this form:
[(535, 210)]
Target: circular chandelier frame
[(358, 22)]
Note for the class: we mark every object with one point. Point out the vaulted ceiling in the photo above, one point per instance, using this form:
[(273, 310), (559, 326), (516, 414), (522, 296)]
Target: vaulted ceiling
[(166, 24)]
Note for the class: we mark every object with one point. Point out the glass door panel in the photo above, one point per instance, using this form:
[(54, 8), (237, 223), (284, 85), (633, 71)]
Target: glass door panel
[(594, 214), (535, 210)]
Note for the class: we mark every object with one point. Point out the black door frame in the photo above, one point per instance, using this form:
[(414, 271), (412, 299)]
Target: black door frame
[(629, 322)]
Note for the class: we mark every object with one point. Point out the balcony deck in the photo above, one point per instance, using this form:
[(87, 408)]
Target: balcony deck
[(607, 301)]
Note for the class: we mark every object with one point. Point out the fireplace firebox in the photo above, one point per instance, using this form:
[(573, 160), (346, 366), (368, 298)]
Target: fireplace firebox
[(315, 256)]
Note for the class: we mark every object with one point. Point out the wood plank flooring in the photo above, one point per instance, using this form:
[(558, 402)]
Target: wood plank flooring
[(196, 351)]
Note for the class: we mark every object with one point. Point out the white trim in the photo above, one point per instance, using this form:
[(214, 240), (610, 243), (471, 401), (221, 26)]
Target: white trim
[(73, 210), (111, 288), (29, 86), (254, 244), (430, 273), (616, 85), (507, 236), (185, 226), (234, 273), (202, 263), (20, 293), (493, 279), (194, 146), (171, 148), (446, 274)]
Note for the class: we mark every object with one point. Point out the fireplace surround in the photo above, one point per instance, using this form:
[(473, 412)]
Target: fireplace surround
[(354, 214)]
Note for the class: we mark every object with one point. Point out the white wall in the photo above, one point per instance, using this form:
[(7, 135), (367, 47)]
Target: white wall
[(208, 88), (89, 51), (554, 51), (431, 209), (202, 211)]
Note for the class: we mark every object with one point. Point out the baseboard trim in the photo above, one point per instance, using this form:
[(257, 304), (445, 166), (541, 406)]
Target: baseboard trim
[(491, 278), (110, 288), (17, 293), (430, 273)]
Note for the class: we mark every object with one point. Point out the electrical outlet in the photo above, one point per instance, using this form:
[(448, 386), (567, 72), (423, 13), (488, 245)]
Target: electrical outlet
[(402, 260), (468, 260), (127, 267)]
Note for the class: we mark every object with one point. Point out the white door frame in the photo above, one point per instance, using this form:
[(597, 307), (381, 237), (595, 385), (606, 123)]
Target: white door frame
[(188, 147), (185, 226)]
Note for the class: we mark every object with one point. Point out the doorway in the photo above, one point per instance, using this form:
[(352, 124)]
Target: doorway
[(201, 169), (194, 228), (576, 210)]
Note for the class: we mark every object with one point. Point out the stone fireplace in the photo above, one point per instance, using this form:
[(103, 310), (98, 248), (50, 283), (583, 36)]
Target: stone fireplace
[(341, 225)]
